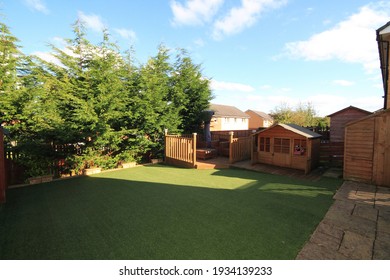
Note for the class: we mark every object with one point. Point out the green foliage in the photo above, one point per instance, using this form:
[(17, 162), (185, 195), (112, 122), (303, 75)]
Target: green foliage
[(303, 115), (193, 92), (95, 96)]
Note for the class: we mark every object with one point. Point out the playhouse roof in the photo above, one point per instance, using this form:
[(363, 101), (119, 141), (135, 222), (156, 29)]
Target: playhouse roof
[(296, 129)]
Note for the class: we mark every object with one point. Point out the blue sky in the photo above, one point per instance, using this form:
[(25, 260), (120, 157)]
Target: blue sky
[(258, 53)]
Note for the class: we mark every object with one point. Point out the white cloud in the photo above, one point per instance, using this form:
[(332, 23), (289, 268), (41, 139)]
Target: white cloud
[(92, 21), (228, 86), (194, 12), (343, 83), (37, 5), (199, 43), (352, 40), (127, 34), (243, 17), (265, 87)]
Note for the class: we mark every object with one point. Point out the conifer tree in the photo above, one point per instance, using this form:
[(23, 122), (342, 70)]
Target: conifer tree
[(192, 92), (9, 65)]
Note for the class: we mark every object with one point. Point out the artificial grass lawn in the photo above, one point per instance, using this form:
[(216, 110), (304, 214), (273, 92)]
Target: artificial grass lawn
[(161, 212)]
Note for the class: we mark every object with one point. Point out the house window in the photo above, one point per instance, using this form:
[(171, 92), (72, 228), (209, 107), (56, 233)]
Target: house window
[(282, 145), (265, 144), (299, 147)]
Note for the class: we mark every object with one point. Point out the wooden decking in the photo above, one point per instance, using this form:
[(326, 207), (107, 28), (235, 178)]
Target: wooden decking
[(213, 163)]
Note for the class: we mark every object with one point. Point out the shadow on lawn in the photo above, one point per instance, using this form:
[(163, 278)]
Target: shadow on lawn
[(118, 218)]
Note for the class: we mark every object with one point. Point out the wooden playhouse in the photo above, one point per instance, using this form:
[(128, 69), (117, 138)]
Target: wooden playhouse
[(287, 145)]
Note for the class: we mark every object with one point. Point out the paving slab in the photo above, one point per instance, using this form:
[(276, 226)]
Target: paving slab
[(356, 246), (382, 246), (366, 212), (356, 226), (313, 251), (329, 228), (383, 224)]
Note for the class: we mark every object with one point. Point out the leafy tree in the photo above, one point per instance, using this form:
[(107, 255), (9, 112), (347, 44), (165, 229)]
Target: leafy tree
[(283, 113), (303, 115)]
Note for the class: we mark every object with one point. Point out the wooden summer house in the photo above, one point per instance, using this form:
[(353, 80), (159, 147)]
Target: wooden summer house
[(287, 145)]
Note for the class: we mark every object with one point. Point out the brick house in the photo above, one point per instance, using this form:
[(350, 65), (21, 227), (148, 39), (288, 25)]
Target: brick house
[(228, 118), (259, 119)]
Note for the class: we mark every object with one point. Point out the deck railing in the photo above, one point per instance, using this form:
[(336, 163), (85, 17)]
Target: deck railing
[(239, 148), (180, 150)]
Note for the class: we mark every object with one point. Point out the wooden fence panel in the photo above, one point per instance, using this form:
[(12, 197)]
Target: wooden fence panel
[(180, 150), (240, 149), (332, 153)]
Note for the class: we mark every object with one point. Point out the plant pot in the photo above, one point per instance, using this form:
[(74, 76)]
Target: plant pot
[(90, 171), (128, 164)]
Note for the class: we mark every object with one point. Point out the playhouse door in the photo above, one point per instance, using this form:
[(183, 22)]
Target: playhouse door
[(282, 152)]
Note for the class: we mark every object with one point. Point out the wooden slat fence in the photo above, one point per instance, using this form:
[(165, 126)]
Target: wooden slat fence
[(332, 153), (180, 150), (239, 148)]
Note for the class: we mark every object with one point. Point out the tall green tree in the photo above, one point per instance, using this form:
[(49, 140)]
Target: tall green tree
[(192, 92), (156, 100), (10, 64)]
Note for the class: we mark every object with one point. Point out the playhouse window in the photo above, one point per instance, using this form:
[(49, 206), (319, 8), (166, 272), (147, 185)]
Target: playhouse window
[(299, 147), (265, 144), (282, 145)]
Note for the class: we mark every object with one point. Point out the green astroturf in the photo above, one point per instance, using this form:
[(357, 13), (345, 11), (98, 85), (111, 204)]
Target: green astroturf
[(161, 212)]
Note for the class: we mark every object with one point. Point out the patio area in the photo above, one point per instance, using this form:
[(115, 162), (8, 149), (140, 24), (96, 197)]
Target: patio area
[(357, 226)]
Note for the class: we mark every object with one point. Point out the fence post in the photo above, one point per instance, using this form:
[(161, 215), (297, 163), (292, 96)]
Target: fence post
[(194, 149), (231, 134), (165, 144)]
